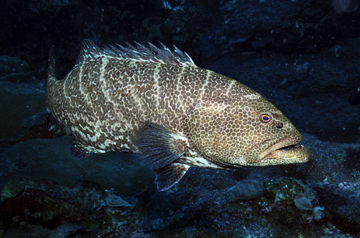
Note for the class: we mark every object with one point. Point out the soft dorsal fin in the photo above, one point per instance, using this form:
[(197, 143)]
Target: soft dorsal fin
[(137, 52), (88, 50)]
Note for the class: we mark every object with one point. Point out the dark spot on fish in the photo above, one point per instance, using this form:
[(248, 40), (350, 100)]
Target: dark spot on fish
[(279, 124)]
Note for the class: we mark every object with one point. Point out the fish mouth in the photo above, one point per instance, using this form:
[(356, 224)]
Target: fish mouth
[(285, 151)]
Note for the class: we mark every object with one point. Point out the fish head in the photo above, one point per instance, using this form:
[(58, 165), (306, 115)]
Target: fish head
[(250, 133)]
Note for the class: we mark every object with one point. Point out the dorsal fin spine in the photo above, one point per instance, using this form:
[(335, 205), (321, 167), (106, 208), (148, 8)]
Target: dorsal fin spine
[(137, 52)]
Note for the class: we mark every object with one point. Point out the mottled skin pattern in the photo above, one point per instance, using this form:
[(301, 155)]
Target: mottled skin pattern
[(108, 97)]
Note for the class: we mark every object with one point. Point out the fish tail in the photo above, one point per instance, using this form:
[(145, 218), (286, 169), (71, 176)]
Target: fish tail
[(51, 70), (50, 82)]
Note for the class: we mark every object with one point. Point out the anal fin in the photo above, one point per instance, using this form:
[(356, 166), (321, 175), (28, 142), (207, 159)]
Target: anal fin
[(79, 151), (169, 175)]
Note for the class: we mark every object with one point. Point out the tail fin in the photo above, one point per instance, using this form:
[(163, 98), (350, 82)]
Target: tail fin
[(50, 79), (51, 71)]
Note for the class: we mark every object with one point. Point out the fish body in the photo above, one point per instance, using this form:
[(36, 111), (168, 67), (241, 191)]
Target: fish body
[(158, 103)]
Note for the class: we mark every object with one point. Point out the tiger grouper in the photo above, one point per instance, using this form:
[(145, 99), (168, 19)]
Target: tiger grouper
[(156, 102)]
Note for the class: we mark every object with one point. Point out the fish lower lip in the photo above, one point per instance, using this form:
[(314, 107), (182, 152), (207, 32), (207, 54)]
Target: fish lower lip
[(289, 154)]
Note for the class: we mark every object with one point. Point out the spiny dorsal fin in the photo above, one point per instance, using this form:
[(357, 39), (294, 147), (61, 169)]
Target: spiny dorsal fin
[(137, 52)]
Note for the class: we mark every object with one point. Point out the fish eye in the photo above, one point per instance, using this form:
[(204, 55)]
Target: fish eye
[(265, 118)]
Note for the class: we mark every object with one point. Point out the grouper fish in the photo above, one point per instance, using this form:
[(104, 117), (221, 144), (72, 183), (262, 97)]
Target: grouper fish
[(156, 102)]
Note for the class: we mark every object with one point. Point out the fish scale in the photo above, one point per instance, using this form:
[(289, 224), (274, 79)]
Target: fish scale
[(158, 103)]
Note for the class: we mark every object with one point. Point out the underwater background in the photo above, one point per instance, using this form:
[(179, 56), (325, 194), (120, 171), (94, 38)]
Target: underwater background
[(302, 55)]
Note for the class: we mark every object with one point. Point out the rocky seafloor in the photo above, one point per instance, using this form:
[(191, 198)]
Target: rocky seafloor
[(318, 199)]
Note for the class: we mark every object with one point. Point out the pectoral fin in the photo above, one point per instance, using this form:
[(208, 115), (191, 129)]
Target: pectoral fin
[(169, 175), (160, 146)]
